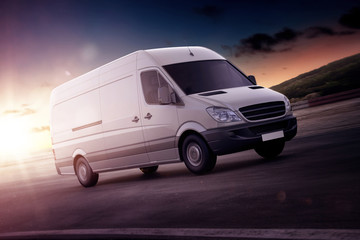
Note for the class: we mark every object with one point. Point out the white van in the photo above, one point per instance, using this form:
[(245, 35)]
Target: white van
[(164, 106)]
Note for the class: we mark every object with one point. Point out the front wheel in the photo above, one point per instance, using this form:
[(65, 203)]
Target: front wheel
[(85, 174), (270, 149), (197, 156)]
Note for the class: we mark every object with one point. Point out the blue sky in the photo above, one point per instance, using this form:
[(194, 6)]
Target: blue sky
[(58, 29)]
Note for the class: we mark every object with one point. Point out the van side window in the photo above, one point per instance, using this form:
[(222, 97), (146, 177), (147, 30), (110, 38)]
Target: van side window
[(151, 81)]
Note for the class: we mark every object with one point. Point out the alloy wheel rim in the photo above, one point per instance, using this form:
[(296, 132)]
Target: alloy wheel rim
[(194, 154), (82, 172)]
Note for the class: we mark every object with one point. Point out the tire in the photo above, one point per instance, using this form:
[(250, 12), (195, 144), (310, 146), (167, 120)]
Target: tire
[(149, 170), (197, 156), (271, 149), (85, 174)]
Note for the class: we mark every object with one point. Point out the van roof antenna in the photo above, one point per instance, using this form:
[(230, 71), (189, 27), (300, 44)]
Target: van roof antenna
[(191, 54)]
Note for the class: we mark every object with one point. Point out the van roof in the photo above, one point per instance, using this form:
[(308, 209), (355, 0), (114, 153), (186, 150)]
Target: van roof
[(166, 56), (162, 56)]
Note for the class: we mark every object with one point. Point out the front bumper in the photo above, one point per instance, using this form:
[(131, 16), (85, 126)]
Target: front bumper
[(246, 136)]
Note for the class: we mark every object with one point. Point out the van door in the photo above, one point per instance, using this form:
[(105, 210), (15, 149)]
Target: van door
[(122, 130), (160, 122)]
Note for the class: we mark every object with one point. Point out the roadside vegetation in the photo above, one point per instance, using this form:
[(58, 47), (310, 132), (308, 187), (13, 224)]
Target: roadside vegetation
[(337, 76)]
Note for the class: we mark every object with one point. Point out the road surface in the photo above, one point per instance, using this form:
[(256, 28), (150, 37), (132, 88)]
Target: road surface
[(314, 184)]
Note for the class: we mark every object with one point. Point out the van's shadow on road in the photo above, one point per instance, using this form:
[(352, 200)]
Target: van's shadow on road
[(179, 171)]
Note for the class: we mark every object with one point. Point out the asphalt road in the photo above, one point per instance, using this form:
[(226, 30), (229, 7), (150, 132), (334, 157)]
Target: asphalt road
[(314, 184)]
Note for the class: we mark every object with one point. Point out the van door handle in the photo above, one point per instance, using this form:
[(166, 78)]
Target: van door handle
[(148, 116), (135, 120)]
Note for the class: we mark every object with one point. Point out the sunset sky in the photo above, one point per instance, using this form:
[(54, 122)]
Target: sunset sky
[(46, 43)]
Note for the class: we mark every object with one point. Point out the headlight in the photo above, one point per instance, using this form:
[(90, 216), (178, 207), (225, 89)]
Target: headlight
[(223, 114), (287, 104)]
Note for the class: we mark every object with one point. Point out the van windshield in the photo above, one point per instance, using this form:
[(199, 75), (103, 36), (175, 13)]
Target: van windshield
[(203, 76)]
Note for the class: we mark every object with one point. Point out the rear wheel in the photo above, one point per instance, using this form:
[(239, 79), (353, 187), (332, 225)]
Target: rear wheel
[(148, 170), (270, 149), (197, 156), (85, 174)]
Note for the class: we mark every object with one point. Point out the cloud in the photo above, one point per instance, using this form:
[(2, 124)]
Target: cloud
[(351, 19), (209, 11), (314, 32), (24, 111), (259, 42), (265, 43), (28, 111), (41, 129), (13, 111), (286, 34), (281, 41)]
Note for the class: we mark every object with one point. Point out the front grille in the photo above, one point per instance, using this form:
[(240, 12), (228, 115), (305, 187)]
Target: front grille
[(263, 110)]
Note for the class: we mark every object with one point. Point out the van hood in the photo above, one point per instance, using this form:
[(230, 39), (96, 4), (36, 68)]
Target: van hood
[(235, 98)]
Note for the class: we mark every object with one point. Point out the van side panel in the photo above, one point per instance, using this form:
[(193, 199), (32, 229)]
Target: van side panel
[(76, 121), (123, 135)]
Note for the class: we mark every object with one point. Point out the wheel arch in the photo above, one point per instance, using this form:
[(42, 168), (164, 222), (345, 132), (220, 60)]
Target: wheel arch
[(185, 130), (181, 141), (78, 153), (194, 129)]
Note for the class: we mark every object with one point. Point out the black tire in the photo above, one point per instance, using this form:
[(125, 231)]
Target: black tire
[(85, 174), (271, 149), (149, 170), (197, 156)]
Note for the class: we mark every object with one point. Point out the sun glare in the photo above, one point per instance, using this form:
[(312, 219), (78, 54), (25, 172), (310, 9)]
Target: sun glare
[(14, 138)]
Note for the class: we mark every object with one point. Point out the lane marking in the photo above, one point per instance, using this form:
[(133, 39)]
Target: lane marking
[(187, 233)]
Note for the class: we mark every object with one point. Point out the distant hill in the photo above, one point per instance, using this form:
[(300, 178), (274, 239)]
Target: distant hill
[(338, 76)]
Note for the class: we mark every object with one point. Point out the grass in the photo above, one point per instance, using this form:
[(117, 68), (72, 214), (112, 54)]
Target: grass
[(338, 76)]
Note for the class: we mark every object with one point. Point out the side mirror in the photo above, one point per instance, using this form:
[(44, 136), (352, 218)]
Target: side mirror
[(173, 97), (164, 95), (252, 79)]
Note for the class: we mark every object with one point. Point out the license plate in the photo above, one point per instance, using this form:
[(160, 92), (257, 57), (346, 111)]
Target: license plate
[(273, 135)]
